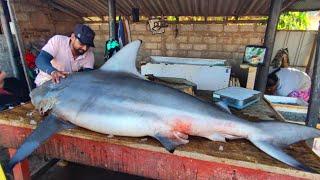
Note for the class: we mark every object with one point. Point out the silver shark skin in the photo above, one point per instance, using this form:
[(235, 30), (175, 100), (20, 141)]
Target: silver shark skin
[(117, 100), (121, 104)]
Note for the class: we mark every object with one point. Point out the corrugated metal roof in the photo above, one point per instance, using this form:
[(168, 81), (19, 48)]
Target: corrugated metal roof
[(180, 7), (306, 5)]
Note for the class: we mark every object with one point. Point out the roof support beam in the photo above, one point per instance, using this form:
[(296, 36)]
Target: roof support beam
[(314, 104), (287, 4), (263, 69), (19, 42), (4, 13), (64, 9), (112, 19)]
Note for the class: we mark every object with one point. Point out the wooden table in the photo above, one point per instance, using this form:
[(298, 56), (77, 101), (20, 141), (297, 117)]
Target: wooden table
[(199, 159)]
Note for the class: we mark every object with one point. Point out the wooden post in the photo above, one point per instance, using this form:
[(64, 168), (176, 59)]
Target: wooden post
[(19, 43), (314, 104), (310, 61), (112, 19), (4, 13), (263, 70), (21, 170), (252, 71)]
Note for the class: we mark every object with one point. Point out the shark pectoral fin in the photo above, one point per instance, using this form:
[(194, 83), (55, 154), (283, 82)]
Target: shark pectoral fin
[(171, 140), (278, 154), (223, 106), (48, 127)]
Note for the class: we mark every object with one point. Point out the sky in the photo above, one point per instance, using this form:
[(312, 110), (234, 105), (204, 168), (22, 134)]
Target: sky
[(314, 17)]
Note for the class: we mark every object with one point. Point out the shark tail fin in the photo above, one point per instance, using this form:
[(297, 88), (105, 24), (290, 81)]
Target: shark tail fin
[(48, 127), (278, 154), (277, 135)]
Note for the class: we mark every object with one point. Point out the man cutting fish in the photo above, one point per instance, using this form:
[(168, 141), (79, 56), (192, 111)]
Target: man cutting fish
[(63, 55)]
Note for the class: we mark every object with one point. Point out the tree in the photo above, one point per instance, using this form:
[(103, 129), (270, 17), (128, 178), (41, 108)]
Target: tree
[(293, 21)]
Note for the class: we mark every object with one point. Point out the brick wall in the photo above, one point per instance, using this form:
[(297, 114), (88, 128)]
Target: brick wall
[(38, 21), (216, 41), (102, 35)]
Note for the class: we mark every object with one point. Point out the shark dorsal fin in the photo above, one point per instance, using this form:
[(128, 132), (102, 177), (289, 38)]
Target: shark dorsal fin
[(124, 60)]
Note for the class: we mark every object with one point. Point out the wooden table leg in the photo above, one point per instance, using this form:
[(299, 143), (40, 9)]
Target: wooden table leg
[(21, 170)]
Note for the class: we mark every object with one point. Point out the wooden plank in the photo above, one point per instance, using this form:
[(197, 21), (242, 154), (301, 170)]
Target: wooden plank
[(316, 144), (43, 168), (65, 10), (310, 60), (200, 158), (21, 170), (278, 115), (290, 108), (252, 71), (263, 70), (177, 83), (314, 102), (152, 162)]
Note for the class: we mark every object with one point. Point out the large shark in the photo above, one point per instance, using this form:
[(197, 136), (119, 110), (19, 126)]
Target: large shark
[(116, 99)]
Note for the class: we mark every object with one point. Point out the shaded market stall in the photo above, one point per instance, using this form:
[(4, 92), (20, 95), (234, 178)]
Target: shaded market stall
[(200, 159)]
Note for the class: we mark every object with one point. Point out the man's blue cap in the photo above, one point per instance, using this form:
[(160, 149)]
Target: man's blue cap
[(85, 34)]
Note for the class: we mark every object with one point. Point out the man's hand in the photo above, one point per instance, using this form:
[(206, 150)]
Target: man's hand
[(56, 75)]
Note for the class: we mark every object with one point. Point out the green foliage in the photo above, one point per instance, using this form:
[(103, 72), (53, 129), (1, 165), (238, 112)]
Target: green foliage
[(293, 21), (171, 18), (287, 20)]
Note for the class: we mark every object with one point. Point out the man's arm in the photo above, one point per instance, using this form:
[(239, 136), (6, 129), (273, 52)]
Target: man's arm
[(43, 62)]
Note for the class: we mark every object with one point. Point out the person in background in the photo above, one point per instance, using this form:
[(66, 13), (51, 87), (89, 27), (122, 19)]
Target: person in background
[(63, 55), (281, 59), (12, 91), (289, 82)]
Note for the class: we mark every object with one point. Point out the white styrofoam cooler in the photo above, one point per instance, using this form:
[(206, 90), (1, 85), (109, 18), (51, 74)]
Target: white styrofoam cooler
[(191, 61), (207, 74)]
